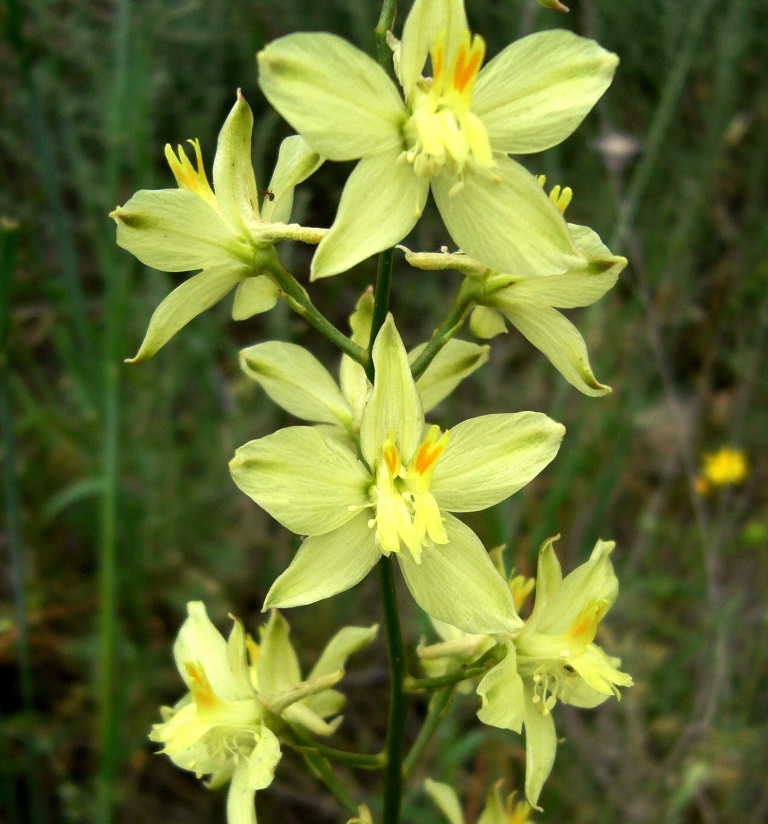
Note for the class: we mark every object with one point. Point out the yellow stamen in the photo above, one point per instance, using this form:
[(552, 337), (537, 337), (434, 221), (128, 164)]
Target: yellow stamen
[(726, 467), (194, 180)]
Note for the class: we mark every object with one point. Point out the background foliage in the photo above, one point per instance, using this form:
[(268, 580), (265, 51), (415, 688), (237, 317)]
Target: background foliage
[(119, 503)]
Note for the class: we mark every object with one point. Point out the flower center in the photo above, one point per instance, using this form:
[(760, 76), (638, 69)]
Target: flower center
[(552, 682), (442, 132), (405, 509)]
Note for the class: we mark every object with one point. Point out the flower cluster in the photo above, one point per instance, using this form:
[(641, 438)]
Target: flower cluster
[(241, 696), (369, 477), (554, 657)]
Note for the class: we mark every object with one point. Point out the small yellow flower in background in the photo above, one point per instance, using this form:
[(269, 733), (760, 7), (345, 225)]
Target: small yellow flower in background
[(726, 467)]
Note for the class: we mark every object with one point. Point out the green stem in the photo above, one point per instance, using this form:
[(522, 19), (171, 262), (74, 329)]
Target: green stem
[(298, 299), (398, 699), (385, 24), (415, 685), (305, 743), (380, 304), (439, 704), (321, 769), (8, 242), (468, 293), (353, 759)]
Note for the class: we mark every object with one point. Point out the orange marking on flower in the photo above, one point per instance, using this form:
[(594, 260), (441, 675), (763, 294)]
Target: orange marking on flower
[(427, 455), (586, 621), (391, 457), (467, 64), (201, 688), (437, 55)]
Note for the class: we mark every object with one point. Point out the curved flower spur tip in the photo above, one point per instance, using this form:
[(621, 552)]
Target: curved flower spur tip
[(442, 260), (555, 5)]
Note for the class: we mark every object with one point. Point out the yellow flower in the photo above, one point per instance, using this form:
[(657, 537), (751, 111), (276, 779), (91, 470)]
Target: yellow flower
[(726, 467)]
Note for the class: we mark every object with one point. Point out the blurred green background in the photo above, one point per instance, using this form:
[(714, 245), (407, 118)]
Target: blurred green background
[(118, 500)]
